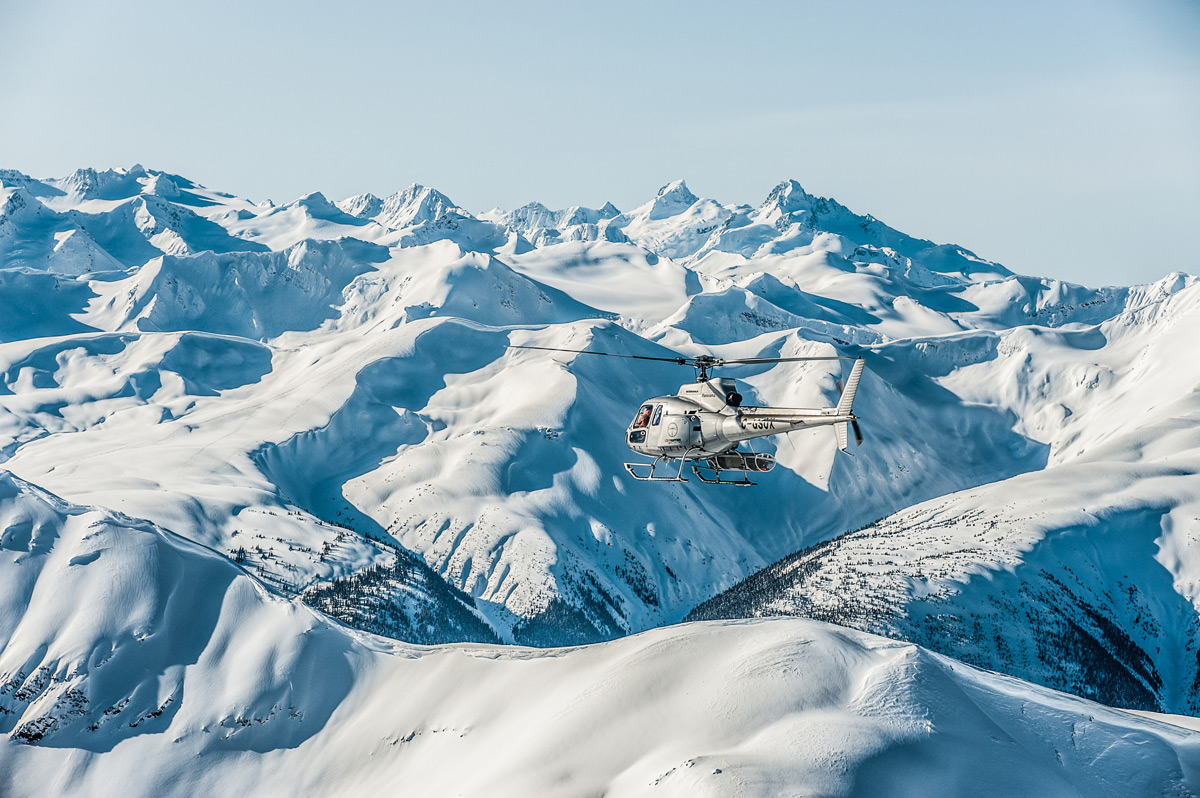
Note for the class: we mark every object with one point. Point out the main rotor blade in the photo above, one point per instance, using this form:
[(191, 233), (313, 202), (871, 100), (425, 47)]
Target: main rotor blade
[(743, 360), (682, 361), (707, 361)]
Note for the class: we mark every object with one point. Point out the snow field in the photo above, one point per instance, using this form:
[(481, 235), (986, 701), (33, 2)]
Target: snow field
[(242, 403)]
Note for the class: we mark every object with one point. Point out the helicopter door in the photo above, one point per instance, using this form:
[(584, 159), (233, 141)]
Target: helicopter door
[(655, 430), (690, 436)]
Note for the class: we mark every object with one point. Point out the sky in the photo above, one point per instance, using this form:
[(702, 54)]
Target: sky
[(1060, 138)]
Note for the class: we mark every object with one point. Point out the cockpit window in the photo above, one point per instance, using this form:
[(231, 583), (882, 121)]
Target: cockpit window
[(643, 417), (657, 415)]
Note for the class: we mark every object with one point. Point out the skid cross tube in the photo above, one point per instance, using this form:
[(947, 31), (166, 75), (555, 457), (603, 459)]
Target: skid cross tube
[(687, 456), (743, 482), (650, 476)]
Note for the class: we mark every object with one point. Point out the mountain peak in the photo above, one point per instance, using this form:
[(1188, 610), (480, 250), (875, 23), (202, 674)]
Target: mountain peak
[(12, 177), (671, 199), (414, 205), (111, 184), (314, 199), (676, 190), (364, 206), (788, 196), (81, 180), (159, 184)]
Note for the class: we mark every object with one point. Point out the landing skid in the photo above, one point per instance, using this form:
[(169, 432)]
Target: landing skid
[(649, 477), (716, 479)]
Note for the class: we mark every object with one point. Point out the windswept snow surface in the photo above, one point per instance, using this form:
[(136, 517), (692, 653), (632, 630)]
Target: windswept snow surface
[(206, 683), (319, 394)]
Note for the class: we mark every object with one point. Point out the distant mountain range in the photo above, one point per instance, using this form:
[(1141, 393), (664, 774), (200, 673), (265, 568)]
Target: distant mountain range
[(315, 402)]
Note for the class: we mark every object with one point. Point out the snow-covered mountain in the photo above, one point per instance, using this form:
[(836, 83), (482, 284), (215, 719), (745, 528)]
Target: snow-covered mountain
[(345, 363), (319, 395), (160, 668), (1082, 576)]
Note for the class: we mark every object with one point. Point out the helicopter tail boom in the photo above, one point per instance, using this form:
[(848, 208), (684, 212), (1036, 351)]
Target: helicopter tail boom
[(754, 422)]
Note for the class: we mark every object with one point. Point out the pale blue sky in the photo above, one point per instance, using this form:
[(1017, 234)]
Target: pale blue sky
[(1061, 138)]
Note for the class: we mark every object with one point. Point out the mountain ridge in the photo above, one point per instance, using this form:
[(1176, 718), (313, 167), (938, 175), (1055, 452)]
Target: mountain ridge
[(240, 441), (500, 469)]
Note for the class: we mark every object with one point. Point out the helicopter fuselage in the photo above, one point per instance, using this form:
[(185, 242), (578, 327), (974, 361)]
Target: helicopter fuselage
[(705, 422), (706, 419)]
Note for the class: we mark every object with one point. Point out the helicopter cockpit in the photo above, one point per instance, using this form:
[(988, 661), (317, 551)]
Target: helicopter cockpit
[(637, 430)]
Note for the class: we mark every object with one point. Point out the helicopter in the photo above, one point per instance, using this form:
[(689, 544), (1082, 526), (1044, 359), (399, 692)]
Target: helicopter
[(705, 423)]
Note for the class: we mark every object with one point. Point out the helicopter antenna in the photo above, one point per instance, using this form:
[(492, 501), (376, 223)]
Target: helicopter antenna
[(702, 363)]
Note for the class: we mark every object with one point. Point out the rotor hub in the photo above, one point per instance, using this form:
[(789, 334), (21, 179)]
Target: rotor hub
[(702, 364)]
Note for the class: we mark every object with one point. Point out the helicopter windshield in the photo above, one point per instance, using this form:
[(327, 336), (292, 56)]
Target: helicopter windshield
[(643, 417)]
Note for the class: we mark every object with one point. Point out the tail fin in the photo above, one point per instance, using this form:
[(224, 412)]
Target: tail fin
[(845, 406), (846, 403)]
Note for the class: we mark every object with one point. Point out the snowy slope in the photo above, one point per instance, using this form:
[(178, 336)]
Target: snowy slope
[(205, 683), (280, 376), (1082, 576)]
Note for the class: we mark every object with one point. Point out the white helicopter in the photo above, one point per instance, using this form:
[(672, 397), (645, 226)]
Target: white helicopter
[(705, 422)]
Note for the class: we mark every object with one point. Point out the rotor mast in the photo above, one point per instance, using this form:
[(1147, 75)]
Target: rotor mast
[(702, 364)]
